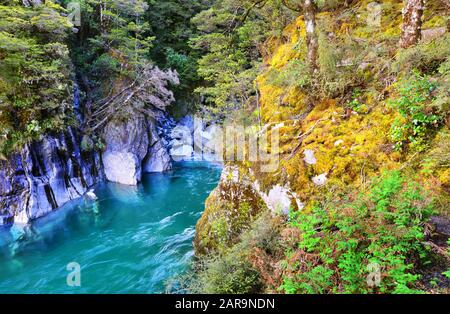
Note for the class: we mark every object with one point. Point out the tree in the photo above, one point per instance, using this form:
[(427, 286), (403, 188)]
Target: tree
[(231, 33), (35, 85), (112, 55), (309, 9), (113, 39), (170, 25), (412, 23), (230, 36)]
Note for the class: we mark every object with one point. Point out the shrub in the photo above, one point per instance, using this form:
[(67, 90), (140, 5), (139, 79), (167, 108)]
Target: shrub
[(293, 75), (419, 118), (425, 57), (355, 103), (231, 273), (341, 245), (245, 267)]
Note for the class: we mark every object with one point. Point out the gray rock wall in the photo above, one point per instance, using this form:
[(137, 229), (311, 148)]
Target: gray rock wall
[(48, 173), (44, 176)]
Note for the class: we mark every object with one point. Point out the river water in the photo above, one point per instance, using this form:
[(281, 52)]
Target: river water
[(131, 240)]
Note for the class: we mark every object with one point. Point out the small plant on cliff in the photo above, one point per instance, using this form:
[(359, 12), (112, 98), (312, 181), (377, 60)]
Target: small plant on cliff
[(418, 117), (355, 103)]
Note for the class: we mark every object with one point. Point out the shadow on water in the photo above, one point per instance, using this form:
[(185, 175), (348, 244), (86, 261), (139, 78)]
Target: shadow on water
[(131, 240)]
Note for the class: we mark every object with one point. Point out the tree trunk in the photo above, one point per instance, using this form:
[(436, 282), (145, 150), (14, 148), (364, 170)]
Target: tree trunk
[(412, 23), (309, 12)]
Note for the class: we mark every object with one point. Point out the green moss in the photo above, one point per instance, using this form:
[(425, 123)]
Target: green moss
[(435, 21), (229, 211)]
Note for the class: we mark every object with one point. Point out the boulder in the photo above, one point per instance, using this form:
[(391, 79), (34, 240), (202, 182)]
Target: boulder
[(320, 180), (122, 167), (182, 143), (338, 142), (309, 159), (158, 159), (432, 33), (278, 200), (188, 122), (182, 134), (91, 195), (127, 145), (181, 152)]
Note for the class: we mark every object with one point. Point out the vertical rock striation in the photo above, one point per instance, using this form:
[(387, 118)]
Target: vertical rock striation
[(45, 175)]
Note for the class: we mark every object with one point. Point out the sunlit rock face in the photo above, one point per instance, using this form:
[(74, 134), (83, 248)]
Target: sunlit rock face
[(126, 147), (122, 167), (193, 139), (238, 199), (133, 147), (45, 175)]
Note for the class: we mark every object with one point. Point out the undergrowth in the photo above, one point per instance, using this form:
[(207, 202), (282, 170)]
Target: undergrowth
[(367, 244)]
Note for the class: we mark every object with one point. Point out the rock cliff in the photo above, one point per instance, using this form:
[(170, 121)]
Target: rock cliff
[(45, 175)]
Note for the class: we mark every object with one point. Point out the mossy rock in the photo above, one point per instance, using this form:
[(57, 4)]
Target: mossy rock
[(229, 210)]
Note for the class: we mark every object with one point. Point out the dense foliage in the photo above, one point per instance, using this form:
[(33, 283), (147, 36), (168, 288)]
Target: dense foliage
[(42, 54), (379, 230), (35, 84), (419, 112), (230, 39), (172, 28)]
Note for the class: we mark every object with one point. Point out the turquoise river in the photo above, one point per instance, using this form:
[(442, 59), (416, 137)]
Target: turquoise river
[(131, 240)]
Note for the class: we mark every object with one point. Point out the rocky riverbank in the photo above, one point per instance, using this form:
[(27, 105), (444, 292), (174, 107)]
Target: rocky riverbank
[(45, 175)]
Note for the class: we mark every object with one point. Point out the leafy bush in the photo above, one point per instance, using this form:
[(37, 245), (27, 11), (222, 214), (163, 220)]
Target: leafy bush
[(341, 245), (418, 117), (231, 273), (355, 103)]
